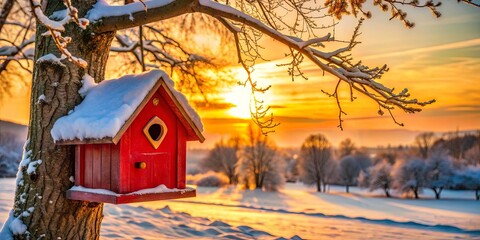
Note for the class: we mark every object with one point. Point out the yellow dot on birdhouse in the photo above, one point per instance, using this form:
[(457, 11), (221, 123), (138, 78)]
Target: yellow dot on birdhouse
[(155, 101)]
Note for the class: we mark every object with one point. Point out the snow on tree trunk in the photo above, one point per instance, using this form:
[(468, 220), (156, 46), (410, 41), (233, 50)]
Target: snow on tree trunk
[(40, 198)]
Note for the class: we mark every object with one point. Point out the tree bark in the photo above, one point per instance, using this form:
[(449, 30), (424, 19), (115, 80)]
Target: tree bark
[(41, 194)]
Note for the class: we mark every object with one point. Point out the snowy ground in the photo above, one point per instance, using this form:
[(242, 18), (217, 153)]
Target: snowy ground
[(294, 211)]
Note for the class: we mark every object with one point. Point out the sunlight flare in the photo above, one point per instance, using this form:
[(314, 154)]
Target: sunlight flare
[(239, 96)]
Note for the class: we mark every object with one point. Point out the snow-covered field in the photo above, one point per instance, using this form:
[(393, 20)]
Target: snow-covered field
[(230, 213)]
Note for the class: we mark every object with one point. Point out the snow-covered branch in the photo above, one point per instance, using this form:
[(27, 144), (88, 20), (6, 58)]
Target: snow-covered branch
[(112, 18), (56, 27), (247, 25)]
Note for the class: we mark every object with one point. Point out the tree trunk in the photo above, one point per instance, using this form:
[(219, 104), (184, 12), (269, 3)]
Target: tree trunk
[(415, 192), (257, 182), (40, 198), (386, 187), (437, 192), (262, 178), (319, 185)]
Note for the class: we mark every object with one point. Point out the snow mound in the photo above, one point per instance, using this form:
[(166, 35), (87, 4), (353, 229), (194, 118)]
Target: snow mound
[(109, 104)]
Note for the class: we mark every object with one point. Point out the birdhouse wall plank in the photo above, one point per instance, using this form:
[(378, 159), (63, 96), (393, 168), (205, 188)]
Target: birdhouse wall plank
[(88, 181), (181, 155), (97, 165), (105, 169), (124, 178), (115, 168), (80, 165)]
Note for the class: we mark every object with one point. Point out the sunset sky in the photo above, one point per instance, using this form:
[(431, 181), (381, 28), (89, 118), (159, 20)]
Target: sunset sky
[(439, 58)]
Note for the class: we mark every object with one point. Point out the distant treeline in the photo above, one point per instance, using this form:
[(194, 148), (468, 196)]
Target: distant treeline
[(449, 161)]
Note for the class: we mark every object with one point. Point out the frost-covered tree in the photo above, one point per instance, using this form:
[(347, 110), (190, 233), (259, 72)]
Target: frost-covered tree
[(73, 41), (424, 142), (409, 176), (259, 166), (316, 163), (223, 158), (380, 177), (347, 147), (472, 156), (389, 154), (438, 173), (363, 160), (364, 178), (291, 168), (349, 168), (10, 153), (457, 144), (468, 178)]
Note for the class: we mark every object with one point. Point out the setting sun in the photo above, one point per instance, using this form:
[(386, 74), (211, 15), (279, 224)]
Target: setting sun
[(240, 97)]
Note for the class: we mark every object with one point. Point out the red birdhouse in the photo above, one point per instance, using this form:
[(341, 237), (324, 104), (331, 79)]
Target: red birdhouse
[(130, 138)]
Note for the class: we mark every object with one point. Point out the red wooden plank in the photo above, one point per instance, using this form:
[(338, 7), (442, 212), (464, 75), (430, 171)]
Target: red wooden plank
[(88, 181), (115, 168), (79, 165), (124, 174), (105, 171), (181, 156), (97, 166), (126, 198)]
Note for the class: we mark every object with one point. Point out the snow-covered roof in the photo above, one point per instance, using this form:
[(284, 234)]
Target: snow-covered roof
[(109, 105)]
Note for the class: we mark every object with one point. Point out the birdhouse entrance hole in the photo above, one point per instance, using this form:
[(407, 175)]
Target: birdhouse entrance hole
[(155, 131)]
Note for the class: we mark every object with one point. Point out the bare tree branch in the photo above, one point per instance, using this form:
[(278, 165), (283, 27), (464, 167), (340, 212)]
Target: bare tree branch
[(470, 2), (5, 11)]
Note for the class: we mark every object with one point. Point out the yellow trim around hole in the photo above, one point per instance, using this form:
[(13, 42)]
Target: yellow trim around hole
[(155, 120)]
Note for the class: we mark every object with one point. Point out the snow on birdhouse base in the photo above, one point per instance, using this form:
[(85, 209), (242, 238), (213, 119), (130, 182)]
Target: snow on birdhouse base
[(152, 194)]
